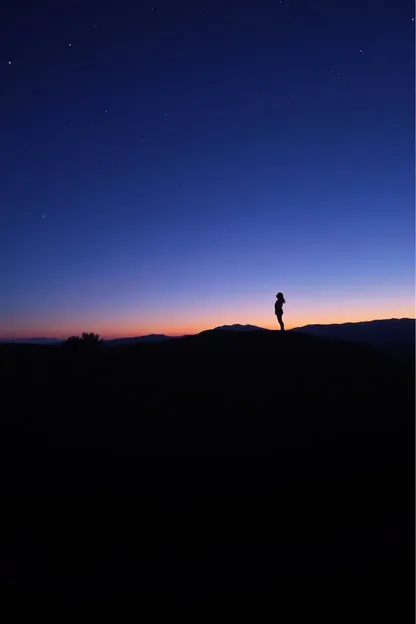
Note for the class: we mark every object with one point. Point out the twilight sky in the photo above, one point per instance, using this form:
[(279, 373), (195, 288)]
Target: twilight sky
[(169, 166)]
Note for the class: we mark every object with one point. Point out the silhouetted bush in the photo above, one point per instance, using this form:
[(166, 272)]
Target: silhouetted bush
[(91, 338), (88, 340)]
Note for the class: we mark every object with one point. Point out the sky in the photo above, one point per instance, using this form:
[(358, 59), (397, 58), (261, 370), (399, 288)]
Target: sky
[(168, 167)]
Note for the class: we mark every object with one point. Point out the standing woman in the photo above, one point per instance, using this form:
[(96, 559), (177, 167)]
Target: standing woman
[(278, 309)]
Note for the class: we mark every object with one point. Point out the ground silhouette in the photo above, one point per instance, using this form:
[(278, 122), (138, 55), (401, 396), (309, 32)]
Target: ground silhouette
[(250, 468)]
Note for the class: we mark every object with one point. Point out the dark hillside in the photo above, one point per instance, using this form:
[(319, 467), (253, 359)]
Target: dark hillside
[(241, 467)]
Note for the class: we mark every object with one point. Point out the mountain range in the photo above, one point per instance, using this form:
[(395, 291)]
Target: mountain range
[(392, 336)]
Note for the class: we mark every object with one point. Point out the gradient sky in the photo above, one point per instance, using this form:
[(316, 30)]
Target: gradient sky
[(169, 167)]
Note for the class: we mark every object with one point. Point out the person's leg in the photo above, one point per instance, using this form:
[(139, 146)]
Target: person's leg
[(280, 321)]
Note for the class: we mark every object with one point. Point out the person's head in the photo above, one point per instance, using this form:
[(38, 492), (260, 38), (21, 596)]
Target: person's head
[(279, 296)]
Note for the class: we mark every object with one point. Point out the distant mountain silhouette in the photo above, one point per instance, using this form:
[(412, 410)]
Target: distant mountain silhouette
[(39, 341), (395, 337), (239, 328), (112, 343)]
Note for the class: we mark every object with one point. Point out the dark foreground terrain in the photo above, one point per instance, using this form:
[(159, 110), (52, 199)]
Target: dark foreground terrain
[(259, 470)]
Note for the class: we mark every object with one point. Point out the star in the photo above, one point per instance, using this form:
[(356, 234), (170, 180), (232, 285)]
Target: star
[(10, 62), (69, 45)]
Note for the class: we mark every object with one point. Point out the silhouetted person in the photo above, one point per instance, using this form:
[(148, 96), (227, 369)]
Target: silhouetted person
[(278, 309)]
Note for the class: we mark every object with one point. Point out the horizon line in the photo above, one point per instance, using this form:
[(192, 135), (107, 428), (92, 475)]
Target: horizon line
[(138, 335)]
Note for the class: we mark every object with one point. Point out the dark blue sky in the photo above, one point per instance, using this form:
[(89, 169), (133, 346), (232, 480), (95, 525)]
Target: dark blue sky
[(169, 167)]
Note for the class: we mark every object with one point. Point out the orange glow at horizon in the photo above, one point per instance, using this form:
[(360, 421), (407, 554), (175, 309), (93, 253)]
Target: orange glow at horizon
[(181, 322)]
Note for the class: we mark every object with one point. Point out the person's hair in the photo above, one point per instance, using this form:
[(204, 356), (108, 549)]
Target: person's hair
[(280, 296)]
